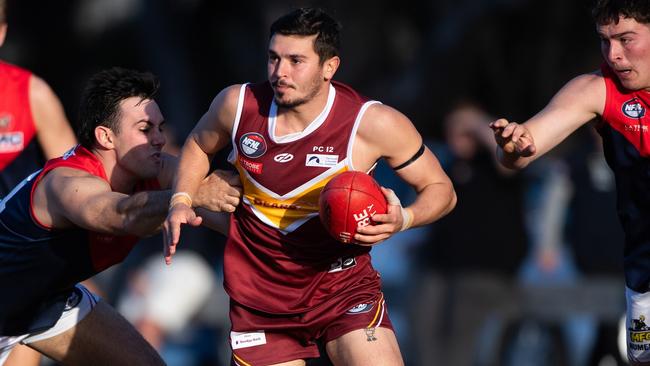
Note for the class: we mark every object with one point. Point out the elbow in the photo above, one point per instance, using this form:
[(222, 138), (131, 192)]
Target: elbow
[(452, 200), (128, 226)]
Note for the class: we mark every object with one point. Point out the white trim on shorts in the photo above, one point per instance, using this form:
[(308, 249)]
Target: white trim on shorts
[(70, 317)]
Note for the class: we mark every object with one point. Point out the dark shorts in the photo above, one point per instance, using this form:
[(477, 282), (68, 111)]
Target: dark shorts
[(261, 338)]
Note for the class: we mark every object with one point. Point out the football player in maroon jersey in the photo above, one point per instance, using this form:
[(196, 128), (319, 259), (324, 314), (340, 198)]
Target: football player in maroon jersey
[(291, 284)]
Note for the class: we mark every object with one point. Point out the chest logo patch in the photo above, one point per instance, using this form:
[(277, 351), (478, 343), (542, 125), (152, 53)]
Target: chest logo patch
[(321, 160), (633, 108), (283, 158), (252, 144)]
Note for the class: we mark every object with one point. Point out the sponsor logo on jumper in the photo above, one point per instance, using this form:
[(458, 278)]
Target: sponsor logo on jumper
[(283, 158), (11, 142), (321, 160), (247, 339), (342, 264), (636, 128), (251, 166), (361, 308), (286, 206), (252, 144), (633, 108)]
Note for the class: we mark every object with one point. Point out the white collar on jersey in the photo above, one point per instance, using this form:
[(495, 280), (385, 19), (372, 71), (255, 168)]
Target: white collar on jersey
[(313, 125)]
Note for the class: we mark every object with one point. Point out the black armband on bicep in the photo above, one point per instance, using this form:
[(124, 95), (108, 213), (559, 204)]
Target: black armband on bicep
[(415, 157)]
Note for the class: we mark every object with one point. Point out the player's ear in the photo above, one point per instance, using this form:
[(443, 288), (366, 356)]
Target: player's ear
[(104, 137), (329, 67)]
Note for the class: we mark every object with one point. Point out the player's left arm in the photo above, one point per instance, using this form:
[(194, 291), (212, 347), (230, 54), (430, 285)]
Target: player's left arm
[(386, 133), (53, 130)]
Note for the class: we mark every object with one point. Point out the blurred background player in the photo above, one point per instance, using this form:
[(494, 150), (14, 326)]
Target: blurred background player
[(33, 128), (33, 125)]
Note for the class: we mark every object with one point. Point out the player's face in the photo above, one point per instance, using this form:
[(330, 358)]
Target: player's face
[(140, 139), (626, 48), (294, 70)]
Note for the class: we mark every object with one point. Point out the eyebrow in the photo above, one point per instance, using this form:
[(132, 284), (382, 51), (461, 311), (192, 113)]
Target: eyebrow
[(151, 123), (617, 35), (293, 55)]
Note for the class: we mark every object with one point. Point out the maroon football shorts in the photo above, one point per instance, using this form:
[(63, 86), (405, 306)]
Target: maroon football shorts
[(261, 338)]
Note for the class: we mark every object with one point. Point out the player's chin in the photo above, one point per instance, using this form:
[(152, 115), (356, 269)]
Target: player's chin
[(149, 171)]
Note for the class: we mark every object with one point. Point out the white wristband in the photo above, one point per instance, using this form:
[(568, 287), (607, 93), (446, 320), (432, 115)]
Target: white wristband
[(407, 219), (180, 197)]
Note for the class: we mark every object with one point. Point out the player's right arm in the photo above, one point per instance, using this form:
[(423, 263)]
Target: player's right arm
[(69, 197), (578, 102), (211, 134)]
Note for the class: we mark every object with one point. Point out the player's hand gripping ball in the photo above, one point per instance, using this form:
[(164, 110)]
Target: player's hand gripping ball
[(348, 201)]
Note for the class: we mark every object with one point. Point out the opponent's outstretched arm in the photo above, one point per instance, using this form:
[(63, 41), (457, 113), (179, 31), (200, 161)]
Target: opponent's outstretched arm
[(70, 197), (578, 102)]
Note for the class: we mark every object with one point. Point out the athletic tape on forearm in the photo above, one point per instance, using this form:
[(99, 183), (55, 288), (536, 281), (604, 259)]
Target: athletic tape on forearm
[(407, 217)]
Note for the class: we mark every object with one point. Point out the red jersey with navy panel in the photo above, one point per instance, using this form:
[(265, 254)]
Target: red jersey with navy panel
[(279, 259), (39, 266), (626, 141), (20, 153)]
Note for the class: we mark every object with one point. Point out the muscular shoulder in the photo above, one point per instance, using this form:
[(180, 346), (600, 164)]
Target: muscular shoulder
[(62, 177), (64, 183), (591, 81), (586, 91), (224, 105), (388, 133), (380, 121)]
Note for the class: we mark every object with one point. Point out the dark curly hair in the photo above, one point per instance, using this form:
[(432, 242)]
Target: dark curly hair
[(609, 11), (309, 22), (100, 101)]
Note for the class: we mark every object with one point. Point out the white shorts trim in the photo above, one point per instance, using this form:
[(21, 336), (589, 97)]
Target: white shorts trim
[(637, 325), (79, 304)]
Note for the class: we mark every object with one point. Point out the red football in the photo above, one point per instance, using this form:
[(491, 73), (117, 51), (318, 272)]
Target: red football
[(348, 201)]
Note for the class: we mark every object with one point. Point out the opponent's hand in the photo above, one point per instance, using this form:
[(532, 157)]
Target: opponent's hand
[(220, 192), (386, 225), (179, 214), (513, 138)]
